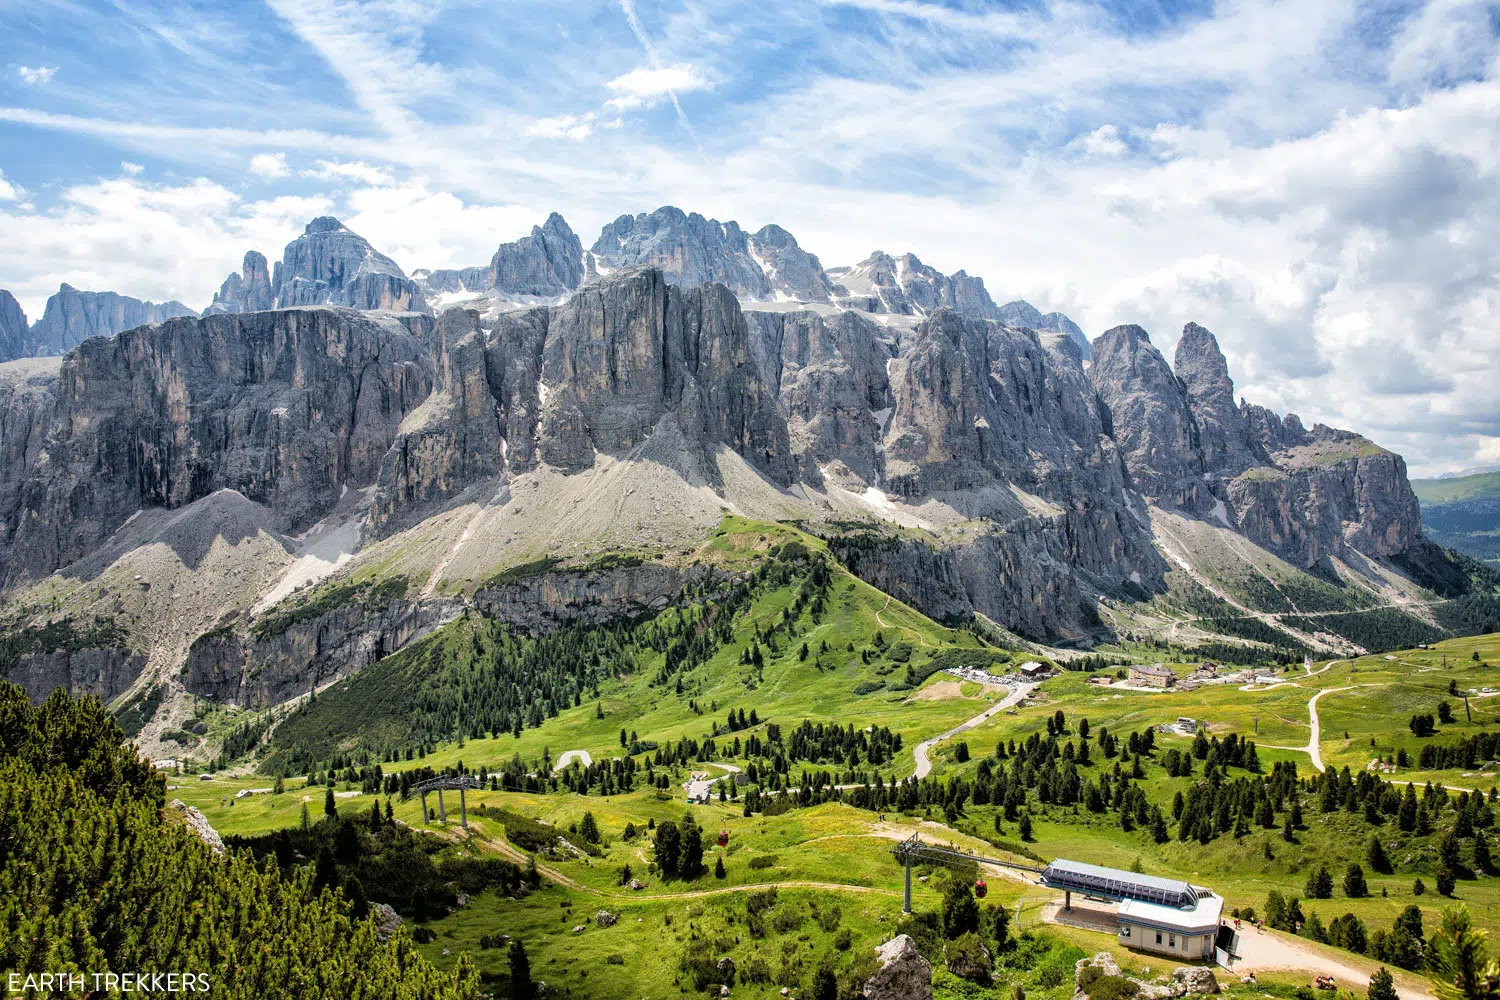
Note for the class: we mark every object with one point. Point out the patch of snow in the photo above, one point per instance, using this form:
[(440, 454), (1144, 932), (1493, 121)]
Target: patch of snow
[(1135, 576), (323, 551), (881, 416), (444, 300), (877, 498), (542, 392), (1222, 513)]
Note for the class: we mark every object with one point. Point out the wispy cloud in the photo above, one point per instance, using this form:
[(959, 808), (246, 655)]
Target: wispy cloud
[(645, 87), (657, 75), (562, 127), (360, 173), (1310, 178), (37, 75)]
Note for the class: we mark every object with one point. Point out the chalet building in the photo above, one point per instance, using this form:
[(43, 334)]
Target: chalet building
[(1152, 675)]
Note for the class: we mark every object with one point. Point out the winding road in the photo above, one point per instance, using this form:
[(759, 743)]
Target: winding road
[(1312, 749), (924, 763)]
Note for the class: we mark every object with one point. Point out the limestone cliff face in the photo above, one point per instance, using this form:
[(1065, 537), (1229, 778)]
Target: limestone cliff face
[(1334, 490), (105, 672), (688, 249), (73, 316), (331, 265), (544, 603), (977, 402), (1224, 438), (996, 426), (549, 262), (1152, 417), (830, 377), (249, 290), (15, 332), (905, 286), (1307, 496), (287, 407), (622, 354), (453, 439), (252, 672)]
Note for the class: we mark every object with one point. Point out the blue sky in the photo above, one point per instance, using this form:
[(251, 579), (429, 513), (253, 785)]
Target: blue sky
[(1313, 180)]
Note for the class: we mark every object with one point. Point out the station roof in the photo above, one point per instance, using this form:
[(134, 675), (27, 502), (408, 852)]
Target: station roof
[(1202, 917), (1082, 877)]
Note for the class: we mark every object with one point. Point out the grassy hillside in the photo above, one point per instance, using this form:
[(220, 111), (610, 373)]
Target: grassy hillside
[(1463, 513)]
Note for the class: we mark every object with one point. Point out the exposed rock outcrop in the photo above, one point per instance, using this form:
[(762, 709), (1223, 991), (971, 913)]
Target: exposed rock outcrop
[(1304, 495), (256, 671), (387, 920), (1024, 314), (287, 407), (688, 249), (830, 377), (905, 286), (1195, 980), (1223, 436), (331, 265), (15, 332), (450, 441), (903, 974), (103, 671), (548, 601), (249, 290), (549, 262), (791, 271), (622, 354), (72, 316), (198, 825), (1152, 420)]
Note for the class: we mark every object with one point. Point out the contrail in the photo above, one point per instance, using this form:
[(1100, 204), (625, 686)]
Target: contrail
[(628, 6)]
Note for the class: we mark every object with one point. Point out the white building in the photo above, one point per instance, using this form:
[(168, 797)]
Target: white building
[(1169, 930)]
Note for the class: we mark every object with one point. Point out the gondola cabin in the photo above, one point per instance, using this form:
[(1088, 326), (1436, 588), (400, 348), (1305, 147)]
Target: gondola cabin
[(980, 888), (723, 838)]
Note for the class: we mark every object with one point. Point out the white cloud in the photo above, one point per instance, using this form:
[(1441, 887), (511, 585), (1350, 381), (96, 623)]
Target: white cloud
[(131, 169), (563, 127), (1311, 184), (646, 86), (357, 171), (152, 241), (419, 227), (9, 191), (1103, 141), (37, 75), (270, 166)]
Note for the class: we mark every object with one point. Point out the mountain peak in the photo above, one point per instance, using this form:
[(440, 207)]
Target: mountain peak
[(323, 224)]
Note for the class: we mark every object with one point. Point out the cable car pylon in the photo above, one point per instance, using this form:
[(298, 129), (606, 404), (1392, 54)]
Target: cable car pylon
[(912, 849)]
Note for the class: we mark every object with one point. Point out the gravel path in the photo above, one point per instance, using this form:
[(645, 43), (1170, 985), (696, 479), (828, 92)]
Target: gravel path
[(924, 763)]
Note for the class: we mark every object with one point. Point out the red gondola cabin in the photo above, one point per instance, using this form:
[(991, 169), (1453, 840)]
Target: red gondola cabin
[(723, 838), (980, 888)]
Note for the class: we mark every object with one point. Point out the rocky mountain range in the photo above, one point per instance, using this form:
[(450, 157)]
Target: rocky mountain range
[(73, 316), (323, 425), (329, 264)]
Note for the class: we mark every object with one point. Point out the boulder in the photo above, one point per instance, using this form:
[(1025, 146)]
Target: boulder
[(199, 825), (1105, 965), (726, 968), (386, 920), (1196, 980), (903, 974), (578, 929), (605, 919)]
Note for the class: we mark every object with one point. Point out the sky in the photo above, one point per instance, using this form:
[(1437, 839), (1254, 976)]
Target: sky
[(1315, 180)]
